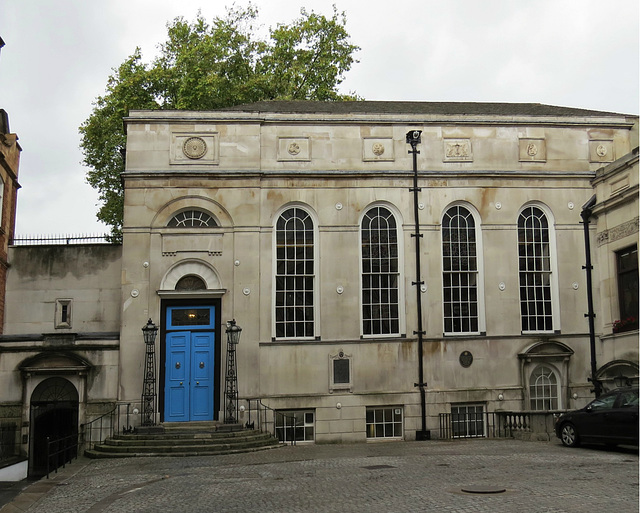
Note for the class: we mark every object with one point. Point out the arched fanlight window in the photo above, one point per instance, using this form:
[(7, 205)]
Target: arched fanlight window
[(192, 219), (191, 282), (543, 389), (54, 390)]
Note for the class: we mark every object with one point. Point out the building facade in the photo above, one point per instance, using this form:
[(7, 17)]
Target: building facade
[(298, 220)]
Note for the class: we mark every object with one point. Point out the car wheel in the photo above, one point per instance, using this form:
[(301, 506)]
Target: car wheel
[(569, 435)]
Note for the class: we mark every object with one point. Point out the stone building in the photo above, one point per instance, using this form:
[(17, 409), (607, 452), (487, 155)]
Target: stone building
[(9, 162), (298, 220)]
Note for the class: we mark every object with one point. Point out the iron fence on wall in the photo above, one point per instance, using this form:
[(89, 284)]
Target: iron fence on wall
[(45, 240)]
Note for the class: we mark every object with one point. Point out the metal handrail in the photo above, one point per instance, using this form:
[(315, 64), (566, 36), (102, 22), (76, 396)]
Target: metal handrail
[(67, 452), (261, 410), (107, 425)]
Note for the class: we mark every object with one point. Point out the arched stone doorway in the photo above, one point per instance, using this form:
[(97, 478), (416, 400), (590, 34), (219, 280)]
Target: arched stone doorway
[(53, 415)]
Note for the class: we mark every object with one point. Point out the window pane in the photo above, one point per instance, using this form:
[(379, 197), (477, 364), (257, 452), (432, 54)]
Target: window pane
[(379, 254), (535, 270), (294, 275), (460, 271)]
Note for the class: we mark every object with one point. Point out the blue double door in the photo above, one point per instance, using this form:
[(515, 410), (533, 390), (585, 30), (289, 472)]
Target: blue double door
[(189, 364)]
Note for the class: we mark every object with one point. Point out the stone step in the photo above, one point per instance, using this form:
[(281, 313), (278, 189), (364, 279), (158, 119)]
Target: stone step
[(109, 447), (178, 436), (180, 442), (199, 439), (93, 454)]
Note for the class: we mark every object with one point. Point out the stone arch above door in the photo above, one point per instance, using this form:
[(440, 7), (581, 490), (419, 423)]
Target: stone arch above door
[(197, 268), (618, 373)]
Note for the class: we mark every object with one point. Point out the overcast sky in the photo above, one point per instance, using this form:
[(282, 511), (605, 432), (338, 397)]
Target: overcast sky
[(59, 54)]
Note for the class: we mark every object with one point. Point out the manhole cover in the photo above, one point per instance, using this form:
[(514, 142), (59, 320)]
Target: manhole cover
[(378, 467), (483, 489)]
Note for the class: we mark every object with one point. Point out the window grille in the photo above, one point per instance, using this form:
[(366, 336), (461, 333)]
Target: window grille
[(467, 421), (460, 271), (535, 270), (295, 275), (380, 275)]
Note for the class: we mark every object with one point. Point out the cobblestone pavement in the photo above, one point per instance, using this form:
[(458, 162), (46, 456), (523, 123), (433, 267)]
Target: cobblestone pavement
[(425, 476)]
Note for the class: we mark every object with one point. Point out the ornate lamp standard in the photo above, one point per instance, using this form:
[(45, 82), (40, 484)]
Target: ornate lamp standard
[(231, 378), (149, 332)]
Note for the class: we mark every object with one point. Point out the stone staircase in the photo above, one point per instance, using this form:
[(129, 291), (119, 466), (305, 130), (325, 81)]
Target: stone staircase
[(184, 439)]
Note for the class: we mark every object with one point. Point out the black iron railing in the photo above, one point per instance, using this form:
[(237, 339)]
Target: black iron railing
[(123, 418), (9, 443), (36, 240), (272, 421), (61, 451)]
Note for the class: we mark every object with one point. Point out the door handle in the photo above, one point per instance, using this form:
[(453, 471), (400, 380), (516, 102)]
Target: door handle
[(197, 382), (181, 382)]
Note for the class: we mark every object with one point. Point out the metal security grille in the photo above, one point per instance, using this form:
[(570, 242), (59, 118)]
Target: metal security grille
[(460, 271), (543, 389), (295, 275), (467, 421), (535, 270), (379, 242), (191, 219)]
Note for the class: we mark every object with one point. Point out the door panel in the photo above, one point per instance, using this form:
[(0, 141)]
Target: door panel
[(202, 376), (189, 376), (177, 376)]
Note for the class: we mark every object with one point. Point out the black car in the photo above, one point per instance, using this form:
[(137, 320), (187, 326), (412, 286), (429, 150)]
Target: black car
[(611, 419)]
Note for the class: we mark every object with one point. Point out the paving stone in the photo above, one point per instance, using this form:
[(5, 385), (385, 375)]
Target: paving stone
[(424, 476)]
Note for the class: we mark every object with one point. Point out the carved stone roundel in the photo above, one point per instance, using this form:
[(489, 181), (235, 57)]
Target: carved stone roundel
[(601, 150), (294, 148), (377, 149), (194, 147)]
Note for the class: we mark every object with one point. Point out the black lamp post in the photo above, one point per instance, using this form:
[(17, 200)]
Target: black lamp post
[(231, 377), (413, 138), (149, 332)]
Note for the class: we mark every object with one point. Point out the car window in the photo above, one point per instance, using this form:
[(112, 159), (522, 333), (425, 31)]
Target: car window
[(605, 402), (628, 399)]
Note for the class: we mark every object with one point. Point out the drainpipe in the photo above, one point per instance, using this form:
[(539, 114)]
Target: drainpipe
[(587, 211), (413, 138)]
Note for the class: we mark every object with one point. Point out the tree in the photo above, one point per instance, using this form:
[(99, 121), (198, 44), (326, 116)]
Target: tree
[(207, 67)]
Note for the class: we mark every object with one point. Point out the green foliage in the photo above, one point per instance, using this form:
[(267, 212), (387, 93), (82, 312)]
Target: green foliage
[(207, 67)]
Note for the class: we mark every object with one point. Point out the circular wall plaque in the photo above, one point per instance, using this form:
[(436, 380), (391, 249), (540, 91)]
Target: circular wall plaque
[(194, 147), (466, 359)]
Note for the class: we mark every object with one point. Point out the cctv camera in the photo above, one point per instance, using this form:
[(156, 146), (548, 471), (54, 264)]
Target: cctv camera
[(413, 137)]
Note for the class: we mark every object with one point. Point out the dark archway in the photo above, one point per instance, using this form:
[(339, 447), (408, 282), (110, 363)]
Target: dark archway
[(53, 415)]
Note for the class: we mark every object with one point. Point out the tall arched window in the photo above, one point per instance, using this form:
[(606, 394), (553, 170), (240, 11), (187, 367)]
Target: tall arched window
[(295, 275), (380, 273), (534, 264), (543, 389), (460, 271)]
